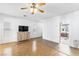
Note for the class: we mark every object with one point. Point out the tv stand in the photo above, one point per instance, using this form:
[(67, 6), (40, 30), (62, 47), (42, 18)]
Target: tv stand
[(23, 36)]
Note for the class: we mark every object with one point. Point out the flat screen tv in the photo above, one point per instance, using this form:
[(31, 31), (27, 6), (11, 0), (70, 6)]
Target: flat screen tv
[(23, 28)]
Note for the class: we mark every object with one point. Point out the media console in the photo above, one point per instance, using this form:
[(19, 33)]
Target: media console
[(23, 33), (23, 36)]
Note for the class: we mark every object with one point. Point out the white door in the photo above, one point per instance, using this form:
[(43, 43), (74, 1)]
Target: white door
[(7, 32), (1, 33)]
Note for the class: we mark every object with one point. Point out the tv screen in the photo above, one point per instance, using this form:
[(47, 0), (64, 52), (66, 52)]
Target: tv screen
[(23, 28)]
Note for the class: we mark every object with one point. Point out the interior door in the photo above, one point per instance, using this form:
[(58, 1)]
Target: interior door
[(1, 33)]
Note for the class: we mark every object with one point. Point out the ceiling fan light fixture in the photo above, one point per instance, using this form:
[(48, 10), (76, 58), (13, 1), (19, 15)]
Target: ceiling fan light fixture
[(34, 7), (33, 11)]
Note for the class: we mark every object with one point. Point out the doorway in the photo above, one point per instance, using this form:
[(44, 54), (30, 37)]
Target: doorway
[(64, 33)]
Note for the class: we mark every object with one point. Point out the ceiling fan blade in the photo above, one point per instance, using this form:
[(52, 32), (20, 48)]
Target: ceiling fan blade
[(42, 11), (24, 8), (41, 4)]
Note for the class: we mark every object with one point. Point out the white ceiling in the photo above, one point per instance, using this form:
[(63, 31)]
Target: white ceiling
[(51, 10)]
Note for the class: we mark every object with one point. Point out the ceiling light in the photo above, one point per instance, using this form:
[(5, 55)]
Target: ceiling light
[(34, 7)]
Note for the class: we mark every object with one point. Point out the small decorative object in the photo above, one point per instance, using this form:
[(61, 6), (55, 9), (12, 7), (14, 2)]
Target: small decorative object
[(62, 29)]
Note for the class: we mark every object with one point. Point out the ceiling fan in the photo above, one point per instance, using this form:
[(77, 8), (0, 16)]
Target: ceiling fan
[(35, 6)]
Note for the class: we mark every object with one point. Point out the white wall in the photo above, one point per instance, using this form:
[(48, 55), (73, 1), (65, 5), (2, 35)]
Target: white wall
[(11, 34), (51, 27)]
